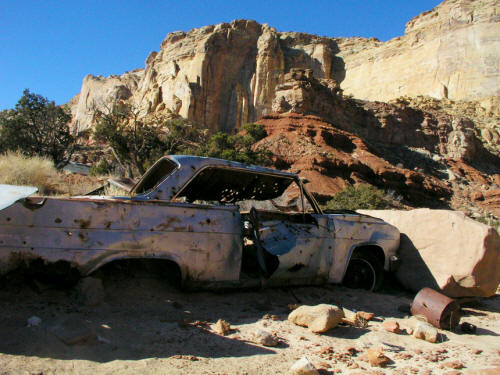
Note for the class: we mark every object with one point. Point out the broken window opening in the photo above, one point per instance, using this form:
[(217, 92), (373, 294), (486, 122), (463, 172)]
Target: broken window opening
[(154, 176)]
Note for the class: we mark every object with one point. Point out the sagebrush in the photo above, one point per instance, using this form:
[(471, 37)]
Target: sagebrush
[(365, 197), (18, 169)]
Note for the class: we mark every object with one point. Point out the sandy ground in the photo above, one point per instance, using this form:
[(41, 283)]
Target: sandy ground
[(145, 326)]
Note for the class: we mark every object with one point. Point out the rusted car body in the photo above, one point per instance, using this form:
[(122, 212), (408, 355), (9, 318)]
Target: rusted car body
[(222, 223)]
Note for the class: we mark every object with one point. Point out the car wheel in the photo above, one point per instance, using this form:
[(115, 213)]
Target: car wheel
[(364, 272)]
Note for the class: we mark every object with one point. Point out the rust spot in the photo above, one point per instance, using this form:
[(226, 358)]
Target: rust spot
[(108, 224), (82, 236), (8, 219), (208, 221), (57, 221), (84, 224), (296, 267)]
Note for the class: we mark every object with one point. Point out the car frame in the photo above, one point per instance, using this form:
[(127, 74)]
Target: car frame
[(204, 216)]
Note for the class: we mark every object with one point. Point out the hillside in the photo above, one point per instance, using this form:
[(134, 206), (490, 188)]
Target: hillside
[(417, 115)]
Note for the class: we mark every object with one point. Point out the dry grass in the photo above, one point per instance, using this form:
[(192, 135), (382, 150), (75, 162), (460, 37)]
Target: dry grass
[(17, 169)]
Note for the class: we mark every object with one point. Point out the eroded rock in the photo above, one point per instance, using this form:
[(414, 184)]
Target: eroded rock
[(318, 319)]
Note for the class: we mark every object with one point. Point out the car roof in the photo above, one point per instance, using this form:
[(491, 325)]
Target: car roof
[(201, 161)]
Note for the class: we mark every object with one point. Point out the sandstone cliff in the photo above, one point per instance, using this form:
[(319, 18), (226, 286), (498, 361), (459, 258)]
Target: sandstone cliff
[(225, 75)]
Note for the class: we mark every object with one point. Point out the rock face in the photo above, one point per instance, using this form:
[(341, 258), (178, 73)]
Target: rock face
[(449, 52), (445, 250), (225, 75)]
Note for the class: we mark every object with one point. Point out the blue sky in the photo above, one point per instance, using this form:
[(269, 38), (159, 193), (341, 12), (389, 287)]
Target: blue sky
[(48, 46)]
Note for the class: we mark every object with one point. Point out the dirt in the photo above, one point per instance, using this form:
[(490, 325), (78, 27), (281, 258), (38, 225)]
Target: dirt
[(145, 326)]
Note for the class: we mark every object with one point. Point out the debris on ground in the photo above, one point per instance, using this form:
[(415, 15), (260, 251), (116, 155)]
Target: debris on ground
[(222, 327), (437, 309)]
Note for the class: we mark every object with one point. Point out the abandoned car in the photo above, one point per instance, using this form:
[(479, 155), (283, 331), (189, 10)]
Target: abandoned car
[(218, 223)]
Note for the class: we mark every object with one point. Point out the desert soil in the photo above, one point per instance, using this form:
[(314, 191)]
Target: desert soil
[(145, 326)]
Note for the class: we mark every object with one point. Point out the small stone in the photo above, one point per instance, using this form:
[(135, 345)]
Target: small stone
[(409, 331), (322, 365), (376, 358), (477, 351), (425, 331), (391, 326), (456, 365), (365, 315), (467, 327), (265, 338), (303, 367), (222, 327)]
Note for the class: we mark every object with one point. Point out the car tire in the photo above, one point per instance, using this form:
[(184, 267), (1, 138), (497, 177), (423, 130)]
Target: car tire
[(365, 271)]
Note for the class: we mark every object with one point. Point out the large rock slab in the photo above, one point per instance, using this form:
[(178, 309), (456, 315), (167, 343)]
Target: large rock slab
[(445, 250)]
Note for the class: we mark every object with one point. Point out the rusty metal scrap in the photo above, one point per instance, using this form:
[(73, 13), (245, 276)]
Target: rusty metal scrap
[(438, 309)]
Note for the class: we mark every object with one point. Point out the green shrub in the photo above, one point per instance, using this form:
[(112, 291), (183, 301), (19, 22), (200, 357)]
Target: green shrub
[(358, 197), (102, 168), (37, 127)]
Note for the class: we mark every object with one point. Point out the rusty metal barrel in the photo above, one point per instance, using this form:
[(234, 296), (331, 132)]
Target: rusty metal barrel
[(439, 310)]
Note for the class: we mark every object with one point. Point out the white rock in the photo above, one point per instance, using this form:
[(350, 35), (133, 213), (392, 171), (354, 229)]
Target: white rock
[(425, 331), (303, 367), (265, 338)]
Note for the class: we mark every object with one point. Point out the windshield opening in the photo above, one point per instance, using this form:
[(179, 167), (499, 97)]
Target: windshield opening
[(154, 176)]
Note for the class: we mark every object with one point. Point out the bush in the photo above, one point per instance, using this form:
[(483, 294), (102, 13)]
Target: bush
[(102, 168), (17, 169), (358, 197), (37, 127), (236, 147)]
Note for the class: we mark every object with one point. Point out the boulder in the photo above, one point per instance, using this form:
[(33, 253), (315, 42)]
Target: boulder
[(318, 319), (445, 250)]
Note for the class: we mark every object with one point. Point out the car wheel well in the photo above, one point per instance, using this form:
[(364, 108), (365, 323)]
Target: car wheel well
[(365, 269), (121, 268), (371, 249)]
